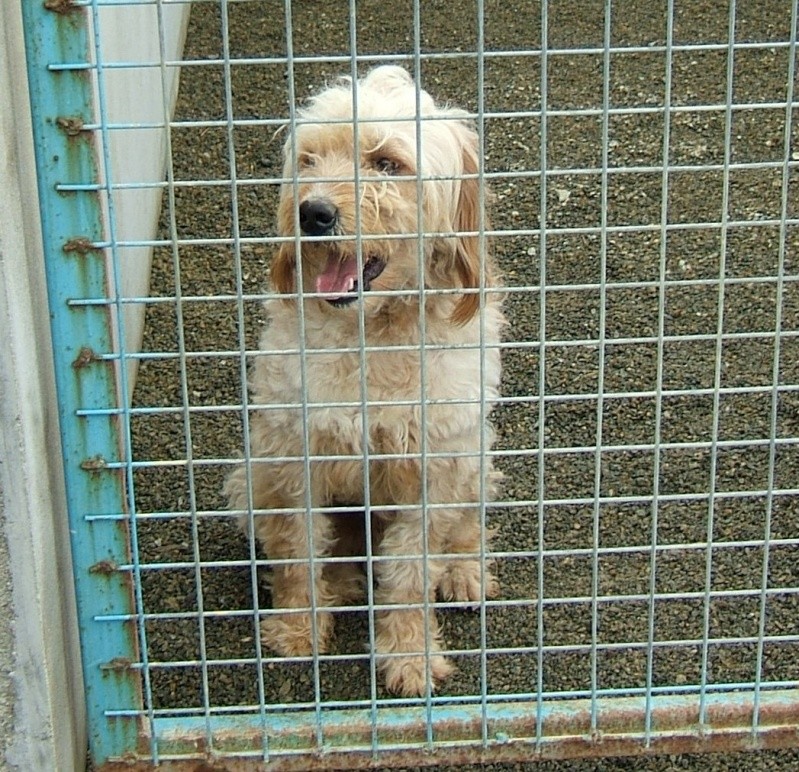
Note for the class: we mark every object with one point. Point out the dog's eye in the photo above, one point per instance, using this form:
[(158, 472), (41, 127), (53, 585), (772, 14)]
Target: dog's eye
[(306, 160), (386, 165)]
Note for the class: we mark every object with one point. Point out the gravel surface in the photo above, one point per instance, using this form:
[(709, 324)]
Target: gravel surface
[(576, 314)]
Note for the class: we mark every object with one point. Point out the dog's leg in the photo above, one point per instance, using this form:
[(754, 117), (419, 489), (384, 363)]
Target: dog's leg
[(408, 630), (286, 537), (462, 578)]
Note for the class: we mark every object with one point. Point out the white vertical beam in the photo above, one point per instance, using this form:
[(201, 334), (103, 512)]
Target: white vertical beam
[(44, 698)]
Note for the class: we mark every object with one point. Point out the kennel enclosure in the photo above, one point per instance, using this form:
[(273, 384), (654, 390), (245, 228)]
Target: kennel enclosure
[(644, 167)]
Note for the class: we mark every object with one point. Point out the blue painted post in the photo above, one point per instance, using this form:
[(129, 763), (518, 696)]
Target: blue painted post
[(62, 102)]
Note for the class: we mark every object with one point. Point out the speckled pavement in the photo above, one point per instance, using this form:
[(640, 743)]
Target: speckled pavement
[(575, 308)]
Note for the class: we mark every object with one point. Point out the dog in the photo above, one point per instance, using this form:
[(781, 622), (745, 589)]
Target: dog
[(381, 343)]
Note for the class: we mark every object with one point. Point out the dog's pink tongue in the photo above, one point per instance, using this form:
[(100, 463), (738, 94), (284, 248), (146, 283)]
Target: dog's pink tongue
[(338, 277)]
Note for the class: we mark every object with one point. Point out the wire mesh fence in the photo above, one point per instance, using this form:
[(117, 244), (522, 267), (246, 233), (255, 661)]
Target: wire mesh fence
[(638, 191)]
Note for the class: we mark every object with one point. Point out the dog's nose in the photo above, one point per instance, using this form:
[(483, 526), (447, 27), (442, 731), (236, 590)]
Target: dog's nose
[(317, 217)]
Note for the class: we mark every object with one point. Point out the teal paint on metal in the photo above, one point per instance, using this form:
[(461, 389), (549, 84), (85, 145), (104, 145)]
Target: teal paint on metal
[(565, 729), (61, 102)]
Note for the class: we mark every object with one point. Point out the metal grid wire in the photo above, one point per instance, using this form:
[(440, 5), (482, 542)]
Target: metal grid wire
[(643, 161)]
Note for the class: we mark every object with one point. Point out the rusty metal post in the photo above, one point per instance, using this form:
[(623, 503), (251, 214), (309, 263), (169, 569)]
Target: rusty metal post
[(62, 104)]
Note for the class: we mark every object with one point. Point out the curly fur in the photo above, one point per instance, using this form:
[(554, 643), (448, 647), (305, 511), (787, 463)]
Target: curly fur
[(385, 207)]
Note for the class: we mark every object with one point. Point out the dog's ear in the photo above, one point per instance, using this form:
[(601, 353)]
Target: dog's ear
[(282, 269), (468, 257)]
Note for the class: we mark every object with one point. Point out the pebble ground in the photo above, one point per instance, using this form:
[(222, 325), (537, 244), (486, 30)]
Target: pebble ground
[(629, 367)]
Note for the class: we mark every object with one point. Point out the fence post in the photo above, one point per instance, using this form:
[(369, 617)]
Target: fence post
[(63, 106)]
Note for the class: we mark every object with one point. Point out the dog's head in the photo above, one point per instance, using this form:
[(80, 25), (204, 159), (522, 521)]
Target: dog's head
[(374, 232)]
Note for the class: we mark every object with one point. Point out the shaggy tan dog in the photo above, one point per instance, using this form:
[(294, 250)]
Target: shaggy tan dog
[(361, 269)]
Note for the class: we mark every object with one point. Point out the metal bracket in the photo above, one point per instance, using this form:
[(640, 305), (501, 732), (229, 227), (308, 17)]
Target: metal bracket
[(70, 126), (84, 358), (81, 245), (60, 6), (104, 567), (117, 664), (93, 464)]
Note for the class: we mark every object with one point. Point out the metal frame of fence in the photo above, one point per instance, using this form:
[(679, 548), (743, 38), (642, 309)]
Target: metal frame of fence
[(68, 96)]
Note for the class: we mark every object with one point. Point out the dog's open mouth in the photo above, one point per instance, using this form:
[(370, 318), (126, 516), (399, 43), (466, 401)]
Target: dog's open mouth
[(339, 280)]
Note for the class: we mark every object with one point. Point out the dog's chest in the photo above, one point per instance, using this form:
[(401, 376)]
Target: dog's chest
[(386, 385), (388, 395), (386, 392)]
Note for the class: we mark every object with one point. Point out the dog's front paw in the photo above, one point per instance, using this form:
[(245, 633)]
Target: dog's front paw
[(291, 635), (407, 676), (461, 581)]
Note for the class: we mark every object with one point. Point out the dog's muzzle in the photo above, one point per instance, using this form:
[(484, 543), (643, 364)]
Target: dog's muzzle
[(339, 279)]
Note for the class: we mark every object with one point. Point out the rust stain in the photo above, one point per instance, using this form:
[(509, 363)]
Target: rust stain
[(84, 358), (566, 734), (60, 6), (93, 464), (515, 752), (104, 567), (81, 245), (72, 127)]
